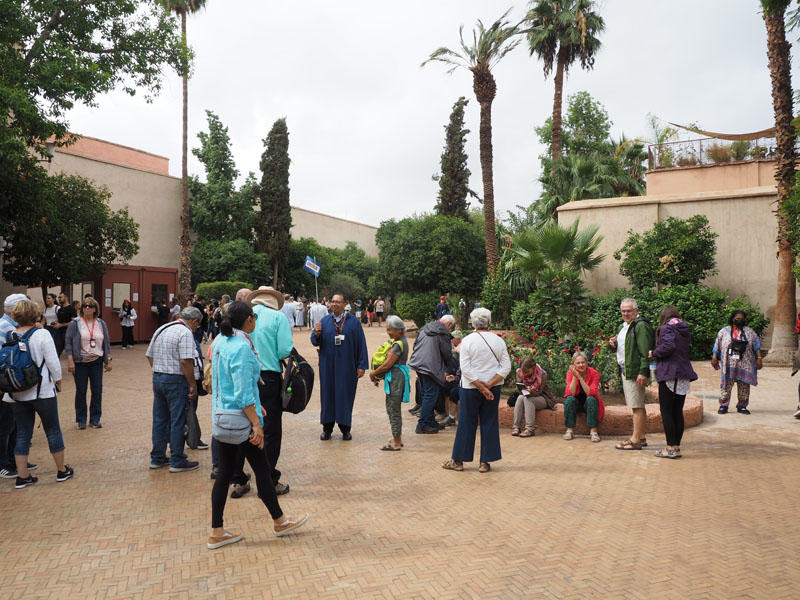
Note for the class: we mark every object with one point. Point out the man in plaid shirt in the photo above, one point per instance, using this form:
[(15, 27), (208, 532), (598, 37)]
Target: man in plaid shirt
[(171, 355)]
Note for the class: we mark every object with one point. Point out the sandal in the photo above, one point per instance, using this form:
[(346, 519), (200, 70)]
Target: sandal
[(667, 453), (515, 431), (594, 436), (643, 442), (452, 465), (390, 448), (527, 433), (568, 435), (628, 445), (484, 468)]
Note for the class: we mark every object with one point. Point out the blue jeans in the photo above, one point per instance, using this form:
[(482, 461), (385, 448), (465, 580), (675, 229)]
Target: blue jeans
[(25, 414), (474, 408), (430, 394), (170, 396), (91, 374)]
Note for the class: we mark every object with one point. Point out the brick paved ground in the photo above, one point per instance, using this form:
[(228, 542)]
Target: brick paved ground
[(555, 519)]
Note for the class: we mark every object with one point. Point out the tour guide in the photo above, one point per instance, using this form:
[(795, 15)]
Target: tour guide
[(342, 362)]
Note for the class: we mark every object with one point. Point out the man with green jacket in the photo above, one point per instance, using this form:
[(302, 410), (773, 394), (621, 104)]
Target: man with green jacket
[(634, 342)]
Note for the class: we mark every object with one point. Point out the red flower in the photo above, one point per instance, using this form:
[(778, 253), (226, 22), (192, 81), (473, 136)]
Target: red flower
[(531, 311), (534, 351), (516, 359), (565, 351)]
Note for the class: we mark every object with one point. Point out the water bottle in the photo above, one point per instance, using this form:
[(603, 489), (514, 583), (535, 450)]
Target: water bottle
[(652, 369)]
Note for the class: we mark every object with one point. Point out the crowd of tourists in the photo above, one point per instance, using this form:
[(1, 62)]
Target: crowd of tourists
[(458, 381)]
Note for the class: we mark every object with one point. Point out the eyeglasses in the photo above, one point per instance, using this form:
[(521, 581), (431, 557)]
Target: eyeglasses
[(88, 306)]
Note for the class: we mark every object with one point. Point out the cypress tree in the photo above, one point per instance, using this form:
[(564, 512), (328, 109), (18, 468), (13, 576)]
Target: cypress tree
[(454, 178), (275, 218)]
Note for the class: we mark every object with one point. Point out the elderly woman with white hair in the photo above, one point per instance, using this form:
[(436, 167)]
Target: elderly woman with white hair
[(484, 366), (396, 376)]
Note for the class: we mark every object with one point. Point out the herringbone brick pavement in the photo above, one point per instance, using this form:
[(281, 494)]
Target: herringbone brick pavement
[(554, 519)]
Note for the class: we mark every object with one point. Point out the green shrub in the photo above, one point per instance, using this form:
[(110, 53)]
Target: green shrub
[(739, 149), (560, 307), (417, 306), (347, 285), (497, 297), (215, 289), (719, 153)]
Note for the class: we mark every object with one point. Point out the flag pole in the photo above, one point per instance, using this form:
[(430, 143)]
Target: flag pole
[(316, 277)]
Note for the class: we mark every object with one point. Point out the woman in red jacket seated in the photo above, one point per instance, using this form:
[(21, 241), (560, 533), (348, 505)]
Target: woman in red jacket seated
[(581, 396)]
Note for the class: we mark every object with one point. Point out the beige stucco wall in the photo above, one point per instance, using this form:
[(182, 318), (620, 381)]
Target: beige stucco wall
[(152, 199), (333, 232), (744, 220), (706, 178)]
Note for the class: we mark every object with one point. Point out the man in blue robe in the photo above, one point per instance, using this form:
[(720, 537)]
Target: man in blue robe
[(343, 361)]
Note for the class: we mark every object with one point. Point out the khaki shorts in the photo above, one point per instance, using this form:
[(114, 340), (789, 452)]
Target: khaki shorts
[(634, 393)]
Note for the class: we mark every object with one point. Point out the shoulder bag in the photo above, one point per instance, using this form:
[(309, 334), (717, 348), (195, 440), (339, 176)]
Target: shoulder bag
[(228, 425)]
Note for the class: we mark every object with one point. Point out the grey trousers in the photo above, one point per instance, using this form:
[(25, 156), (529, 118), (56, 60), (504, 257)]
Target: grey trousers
[(526, 408)]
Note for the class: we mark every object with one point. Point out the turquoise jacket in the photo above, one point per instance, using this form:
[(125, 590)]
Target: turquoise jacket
[(235, 371), (272, 338)]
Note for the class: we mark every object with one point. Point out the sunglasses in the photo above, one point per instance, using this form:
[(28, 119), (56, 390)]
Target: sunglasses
[(88, 306)]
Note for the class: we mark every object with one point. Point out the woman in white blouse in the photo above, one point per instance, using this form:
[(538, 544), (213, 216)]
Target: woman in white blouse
[(484, 366)]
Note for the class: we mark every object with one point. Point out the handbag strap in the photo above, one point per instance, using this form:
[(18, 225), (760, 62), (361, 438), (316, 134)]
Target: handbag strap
[(490, 347), (215, 376)]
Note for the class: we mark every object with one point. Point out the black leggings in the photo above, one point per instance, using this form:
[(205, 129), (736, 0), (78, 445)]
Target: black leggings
[(127, 336), (671, 405), (261, 469)]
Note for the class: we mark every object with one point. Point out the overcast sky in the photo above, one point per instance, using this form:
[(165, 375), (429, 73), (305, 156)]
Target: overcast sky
[(366, 123)]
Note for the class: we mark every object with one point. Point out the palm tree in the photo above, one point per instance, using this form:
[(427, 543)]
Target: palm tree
[(182, 8), (542, 254), (784, 340), (488, 46), (561, 32)]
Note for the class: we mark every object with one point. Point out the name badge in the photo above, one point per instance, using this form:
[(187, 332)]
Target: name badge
[(23, 347), (338, 339), (92, 343)]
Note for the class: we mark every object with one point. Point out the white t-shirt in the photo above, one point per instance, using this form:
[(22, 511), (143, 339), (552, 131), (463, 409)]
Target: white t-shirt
[(50, 315), (41, 345), (482, 359), (623, 333)]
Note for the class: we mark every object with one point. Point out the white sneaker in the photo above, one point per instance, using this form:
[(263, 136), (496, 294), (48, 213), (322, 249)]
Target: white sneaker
[(796, 414)]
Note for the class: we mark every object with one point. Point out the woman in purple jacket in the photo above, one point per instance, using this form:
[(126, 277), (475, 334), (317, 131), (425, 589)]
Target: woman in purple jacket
[(674, 373)]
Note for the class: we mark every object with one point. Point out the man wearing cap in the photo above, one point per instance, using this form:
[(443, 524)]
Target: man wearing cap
[(272, 338), (8, 428), (343, 360), (442, 308)]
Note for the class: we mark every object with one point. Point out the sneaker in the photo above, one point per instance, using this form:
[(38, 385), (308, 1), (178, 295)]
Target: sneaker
[(23, 483), (281, 488), (80, 425), (95, 425), (217, 541), (796, 414), (448, 421), (67, 473), (189, 465), (289, 525), (214, 472), (240, 489), (722, 410), (427, 429), (742, 410), (8, 473), (415, 411), (158, 465), (201, 445)]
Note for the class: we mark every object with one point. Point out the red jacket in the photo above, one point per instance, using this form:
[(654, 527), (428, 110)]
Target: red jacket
[(593, 379)]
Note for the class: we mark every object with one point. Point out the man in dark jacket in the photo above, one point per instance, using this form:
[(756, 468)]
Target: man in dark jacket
[(431, 357)]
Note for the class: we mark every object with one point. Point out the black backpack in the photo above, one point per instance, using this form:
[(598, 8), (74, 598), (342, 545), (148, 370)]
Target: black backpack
[(298, 383)]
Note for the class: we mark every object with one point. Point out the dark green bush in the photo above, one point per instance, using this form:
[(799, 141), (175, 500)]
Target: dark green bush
[(560, 307), (497, 297), (417, 306), (215, 289)]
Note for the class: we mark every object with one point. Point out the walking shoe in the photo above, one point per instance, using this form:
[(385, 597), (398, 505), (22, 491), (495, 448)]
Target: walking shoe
[(427, 429), (218, 541), (281, 488), (289, 525), (11, 472), (158, 465), (23, 483), (67, 473), (347, 436), (95, 425), (240, 489), (796, 414), (325, 435), (448, 421), (415, 410), (80, 425), (214, 472), (201, 445), (722, 410), (742, 410), (189, 465)]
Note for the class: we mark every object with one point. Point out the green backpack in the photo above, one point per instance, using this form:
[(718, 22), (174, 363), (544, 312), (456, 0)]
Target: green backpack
[(381, 353)]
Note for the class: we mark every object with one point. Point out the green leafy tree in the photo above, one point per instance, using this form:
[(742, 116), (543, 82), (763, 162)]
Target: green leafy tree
[(66, 232), (586, 128), (345, 284), (561, 32), (183, 8), (454, 177), (498, 298), (275, 218), (221, 260), (417, 306), (673, 252), (488, 47), (218, 211), (427, 252)]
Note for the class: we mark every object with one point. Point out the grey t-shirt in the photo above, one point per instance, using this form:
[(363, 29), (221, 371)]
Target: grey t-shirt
[(402, 353)]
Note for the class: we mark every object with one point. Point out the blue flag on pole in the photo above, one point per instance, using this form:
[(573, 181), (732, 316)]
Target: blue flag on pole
[(312, 266)]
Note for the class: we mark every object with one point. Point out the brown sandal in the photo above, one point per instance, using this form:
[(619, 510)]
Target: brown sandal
[(484, 468), (628, 445), (452, 465)]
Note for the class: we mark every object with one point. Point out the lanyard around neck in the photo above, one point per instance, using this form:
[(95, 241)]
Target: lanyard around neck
[(91, 332)]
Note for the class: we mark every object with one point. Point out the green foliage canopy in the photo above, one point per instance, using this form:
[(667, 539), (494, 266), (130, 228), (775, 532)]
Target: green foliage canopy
[(454, 176)]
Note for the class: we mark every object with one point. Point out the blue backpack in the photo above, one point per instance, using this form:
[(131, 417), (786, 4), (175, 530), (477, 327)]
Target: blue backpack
[(18, 372)]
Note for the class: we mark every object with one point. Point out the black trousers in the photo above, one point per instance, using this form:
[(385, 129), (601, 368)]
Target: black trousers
[(261, 468), (671, 405), (270, 395), (127, 336), (328, 428)]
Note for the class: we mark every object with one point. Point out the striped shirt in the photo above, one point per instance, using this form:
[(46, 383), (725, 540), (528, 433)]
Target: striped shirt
[(171, 343)]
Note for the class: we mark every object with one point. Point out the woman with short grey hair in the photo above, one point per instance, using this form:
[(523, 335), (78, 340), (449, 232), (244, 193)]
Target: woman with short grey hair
[(395, 322), (484, 366), (394, 371)]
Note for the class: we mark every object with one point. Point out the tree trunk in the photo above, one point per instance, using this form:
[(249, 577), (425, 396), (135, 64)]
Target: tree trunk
[(784, 339), (185, 277), (485, 134), (555, 144), (275, 276)]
